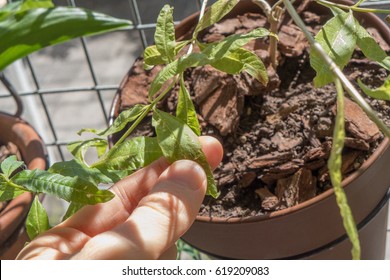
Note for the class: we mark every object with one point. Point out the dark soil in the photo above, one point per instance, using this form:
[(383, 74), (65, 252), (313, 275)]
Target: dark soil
[(6, 151), (277, 138)]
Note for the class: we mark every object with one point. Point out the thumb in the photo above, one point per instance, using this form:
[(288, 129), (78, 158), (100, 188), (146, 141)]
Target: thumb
[(160, 218)]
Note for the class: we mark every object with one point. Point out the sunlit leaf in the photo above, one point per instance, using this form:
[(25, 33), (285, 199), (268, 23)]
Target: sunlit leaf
[(334, 166), (153, 57), (214, 14), (37, 220), (165, 34), (75, 168), (78, 148), (10, 165), (31, 30), (68, 188), (383, 92), (185, 108), (178, 141), (72, 209), (9, 190), (22, 6), (120, 122), (338, 39)]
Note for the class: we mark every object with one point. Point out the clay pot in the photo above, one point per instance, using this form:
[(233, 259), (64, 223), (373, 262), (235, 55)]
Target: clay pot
[(312, 229), (13, 235)]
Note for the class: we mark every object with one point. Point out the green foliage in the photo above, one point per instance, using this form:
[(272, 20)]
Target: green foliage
[(120, 122), (382, 93), (185, 110), (71, 189), (10, 165), (27, 29), (165, 34), (37, 220), (8, 190), (78, 148), (72, 209), (178, 141), (334, 165)]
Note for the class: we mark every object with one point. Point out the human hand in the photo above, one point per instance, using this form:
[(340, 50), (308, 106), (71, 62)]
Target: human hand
[(151, 210)]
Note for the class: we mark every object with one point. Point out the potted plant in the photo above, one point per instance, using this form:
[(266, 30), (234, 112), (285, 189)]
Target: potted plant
[(176, 137), (274, 234), (22, 32)]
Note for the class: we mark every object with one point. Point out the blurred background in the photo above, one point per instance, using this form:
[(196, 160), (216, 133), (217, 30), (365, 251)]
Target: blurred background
[(71, 86)]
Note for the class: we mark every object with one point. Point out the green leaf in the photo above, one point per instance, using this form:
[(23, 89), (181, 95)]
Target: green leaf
[(68, 188), (8, 190), (382, 93), (370, 48), (31, 30), (129, 156), (214, 14), (243, 60), (72, 209), (185, 108), (37, 220), (334, 165), (21, 6), (10, 165), (165, 34), (153, 57), (120, 122), (78, 148), (75, 168), (338, 39), (178, 141)]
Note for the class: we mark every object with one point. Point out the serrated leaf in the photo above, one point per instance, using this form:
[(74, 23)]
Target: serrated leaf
[(75, 168), (78, 148), (334, 165), (165, 34), (338, 39), (185, 109), (382, 93), (243, 60), (129, 156), (370, 48), (37, 220), (8, 190), (178, 141), (10, 165), (31, 30), (120, 122), (214, 14), (68, 188), (72, 209)]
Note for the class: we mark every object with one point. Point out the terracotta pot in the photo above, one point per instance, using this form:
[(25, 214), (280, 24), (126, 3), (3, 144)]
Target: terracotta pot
[(17, 131), (312, 229)]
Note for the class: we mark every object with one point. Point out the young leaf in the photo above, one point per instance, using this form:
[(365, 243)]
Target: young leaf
[(178, 141), (26, 32), (130, 155), (8, 190), (37, 220), (338, 39), (68, 188), (153, 57), (334, 165), (72, 209), (120, 122), (185, 108), (243, 60), (9, 165), (383, 92), (76, 168), (371, 48), (78, 148), (214, 14), (165, 34)]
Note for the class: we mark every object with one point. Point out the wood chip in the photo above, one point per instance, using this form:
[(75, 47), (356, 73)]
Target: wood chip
[(297, 188), (270, 160), (292, 41), (247, 179), (269, 201), (357, 144)]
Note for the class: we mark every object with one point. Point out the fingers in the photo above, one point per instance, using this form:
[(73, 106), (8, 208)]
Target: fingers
[(161, 217), (129, 191)]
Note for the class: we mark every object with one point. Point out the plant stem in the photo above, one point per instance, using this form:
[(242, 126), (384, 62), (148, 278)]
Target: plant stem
[(201, 14), (353, 8), (274, 19), (358, 3), (336, 70), (264, 6)]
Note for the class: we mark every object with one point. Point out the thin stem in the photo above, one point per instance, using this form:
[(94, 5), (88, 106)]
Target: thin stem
[(264, 6), (336, 70), (358, 3), (274, 19), (353, 8), (201, 14)]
